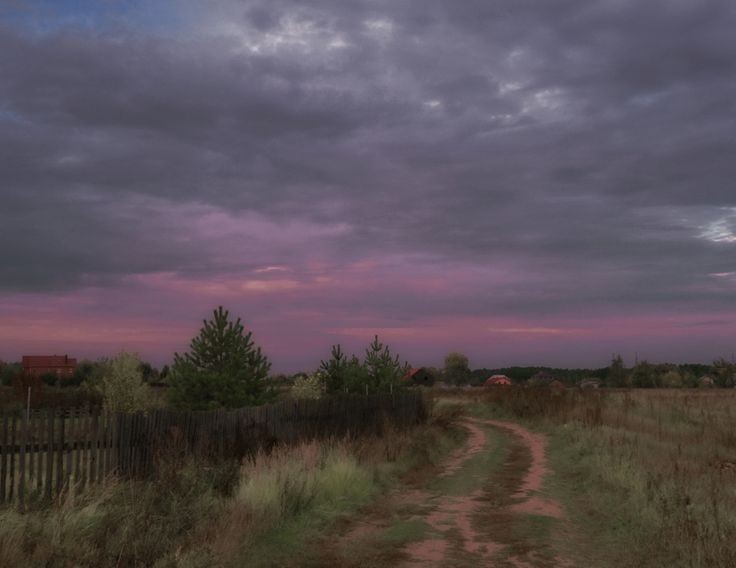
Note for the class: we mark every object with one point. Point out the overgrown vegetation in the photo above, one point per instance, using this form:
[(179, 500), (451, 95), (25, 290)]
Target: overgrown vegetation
[(308, 387), (122, 386), (263, 512)]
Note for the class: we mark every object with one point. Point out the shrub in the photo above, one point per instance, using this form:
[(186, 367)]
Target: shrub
[(122, 386), (308, 387)]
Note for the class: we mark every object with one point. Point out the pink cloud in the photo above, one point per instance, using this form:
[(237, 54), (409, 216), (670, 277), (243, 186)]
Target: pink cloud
[(297, 311)]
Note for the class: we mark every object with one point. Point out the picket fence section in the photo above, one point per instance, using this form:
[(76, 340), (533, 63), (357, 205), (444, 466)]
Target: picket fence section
[(44, 453)]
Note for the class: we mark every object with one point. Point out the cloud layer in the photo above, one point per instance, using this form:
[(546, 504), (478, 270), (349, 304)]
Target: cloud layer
[(463, 168)]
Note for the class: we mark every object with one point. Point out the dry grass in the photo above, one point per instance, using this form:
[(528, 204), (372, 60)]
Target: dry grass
[(261, 512), (650, 475)]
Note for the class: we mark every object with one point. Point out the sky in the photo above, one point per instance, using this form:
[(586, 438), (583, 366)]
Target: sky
[(530, 183)]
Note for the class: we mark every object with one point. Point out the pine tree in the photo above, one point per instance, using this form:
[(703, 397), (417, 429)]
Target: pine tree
[(223, 368), (384, 369), (334, 370), (617, 373)]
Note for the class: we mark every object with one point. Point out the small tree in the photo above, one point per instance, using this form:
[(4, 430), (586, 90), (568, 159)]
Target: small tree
[(617, 373), (725, 373), (457, 369), (122, 387), (672, 379), (334, 370), (8, 371), (643, 375), (384, 370), (380, 371), (223, 368), (310, 387)]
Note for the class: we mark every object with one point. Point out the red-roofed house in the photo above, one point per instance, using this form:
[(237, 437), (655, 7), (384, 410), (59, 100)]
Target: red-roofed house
[(419, 376), (62, 366), (498, 381)]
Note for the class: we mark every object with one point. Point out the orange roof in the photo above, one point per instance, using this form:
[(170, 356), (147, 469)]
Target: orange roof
[(411, 373), (498, 380)]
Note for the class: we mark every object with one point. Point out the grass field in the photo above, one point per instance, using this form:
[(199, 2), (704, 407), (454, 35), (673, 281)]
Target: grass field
[(648, 477)]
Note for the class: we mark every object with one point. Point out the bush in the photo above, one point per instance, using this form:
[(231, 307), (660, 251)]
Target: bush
[(310, 387), (122, 386), (50, 379), (7, 372)]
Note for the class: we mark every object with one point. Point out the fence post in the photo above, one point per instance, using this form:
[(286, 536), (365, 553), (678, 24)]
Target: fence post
[(60, 457), (49, 454), (22, 463), (13, 440), (3, 457)]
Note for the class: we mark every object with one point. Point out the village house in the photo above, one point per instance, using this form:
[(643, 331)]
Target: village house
[(498, 381), (62, 366), (419, 376), (706, 382)]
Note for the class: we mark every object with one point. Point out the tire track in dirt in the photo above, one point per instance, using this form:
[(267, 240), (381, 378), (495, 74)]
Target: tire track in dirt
[(516, 513), (485, 527), (533, 479), (453, 514)]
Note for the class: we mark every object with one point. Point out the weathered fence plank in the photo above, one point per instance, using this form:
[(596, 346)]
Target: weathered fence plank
[(3, 458)]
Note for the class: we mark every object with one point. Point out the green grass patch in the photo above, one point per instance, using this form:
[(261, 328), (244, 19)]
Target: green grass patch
[(405, 531), (474, 472)]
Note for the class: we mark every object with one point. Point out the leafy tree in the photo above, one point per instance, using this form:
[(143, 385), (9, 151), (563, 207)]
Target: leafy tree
[(724, 373), (617, 373), (122, 386), (149, 372), (163, 376), (672, 379), (50, 379), (457, 370), (8, 371), (643, 375), (223, 368), (90, 373)]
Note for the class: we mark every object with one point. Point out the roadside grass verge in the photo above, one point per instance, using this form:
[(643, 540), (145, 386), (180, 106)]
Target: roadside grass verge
[(647, 477)]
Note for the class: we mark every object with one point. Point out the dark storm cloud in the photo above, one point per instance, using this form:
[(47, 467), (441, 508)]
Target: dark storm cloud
[(590, 144)]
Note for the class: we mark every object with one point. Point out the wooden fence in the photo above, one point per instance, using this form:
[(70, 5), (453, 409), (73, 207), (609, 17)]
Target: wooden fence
[(45, 453)]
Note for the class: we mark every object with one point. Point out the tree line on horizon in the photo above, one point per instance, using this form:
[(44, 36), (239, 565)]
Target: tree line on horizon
[(225, 369)]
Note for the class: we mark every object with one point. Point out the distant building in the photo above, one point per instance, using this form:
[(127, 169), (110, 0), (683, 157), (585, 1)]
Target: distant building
[(498, 381), (62, 366), (706, 382), (419, 376), (590, 383)]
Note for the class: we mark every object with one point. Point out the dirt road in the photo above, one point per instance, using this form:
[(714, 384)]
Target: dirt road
[(486, 507)]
